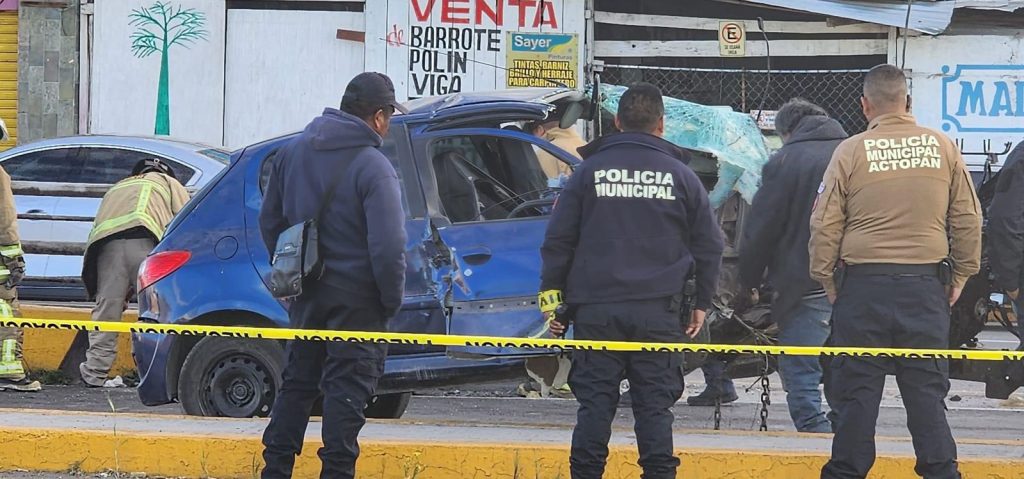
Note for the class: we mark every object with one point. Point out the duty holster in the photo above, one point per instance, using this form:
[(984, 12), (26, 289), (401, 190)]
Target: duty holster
[(945, 272), (685, 302), (839, 275)]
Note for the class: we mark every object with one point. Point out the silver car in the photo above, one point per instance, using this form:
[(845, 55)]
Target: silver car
[(58, 185)]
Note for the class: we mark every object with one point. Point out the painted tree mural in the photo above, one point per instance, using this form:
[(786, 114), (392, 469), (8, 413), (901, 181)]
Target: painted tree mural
[(159, 28)]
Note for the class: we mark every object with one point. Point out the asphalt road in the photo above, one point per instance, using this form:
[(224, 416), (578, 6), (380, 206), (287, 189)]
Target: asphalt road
[(971, 414)]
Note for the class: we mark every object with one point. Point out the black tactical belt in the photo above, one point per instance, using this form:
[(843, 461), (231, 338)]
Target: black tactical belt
[(880, 269)]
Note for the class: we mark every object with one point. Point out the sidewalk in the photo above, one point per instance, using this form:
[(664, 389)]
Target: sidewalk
[(162, 445)]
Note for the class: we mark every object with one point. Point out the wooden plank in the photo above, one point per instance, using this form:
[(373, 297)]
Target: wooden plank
[(78, 190), (780, 48), (64, 248), (694, 23)]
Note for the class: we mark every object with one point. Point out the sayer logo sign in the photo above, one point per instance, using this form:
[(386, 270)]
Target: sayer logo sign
[(983, 99)]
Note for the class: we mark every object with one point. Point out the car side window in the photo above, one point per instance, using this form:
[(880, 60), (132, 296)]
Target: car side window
[(110, 165), (481, 178), (56, 165)]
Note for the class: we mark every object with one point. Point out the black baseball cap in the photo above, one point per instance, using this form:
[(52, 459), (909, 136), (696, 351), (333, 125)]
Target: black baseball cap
[(374, 89)]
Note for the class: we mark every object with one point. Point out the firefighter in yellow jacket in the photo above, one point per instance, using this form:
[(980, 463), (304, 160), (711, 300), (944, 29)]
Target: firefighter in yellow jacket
[(12, 270), (130, 222)]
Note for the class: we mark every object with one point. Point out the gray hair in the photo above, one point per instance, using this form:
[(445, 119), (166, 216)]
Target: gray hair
[(885, 85), (792, 112)]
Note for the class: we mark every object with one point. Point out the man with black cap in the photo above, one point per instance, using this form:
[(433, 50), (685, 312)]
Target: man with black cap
[(335, 167), (131, 220)]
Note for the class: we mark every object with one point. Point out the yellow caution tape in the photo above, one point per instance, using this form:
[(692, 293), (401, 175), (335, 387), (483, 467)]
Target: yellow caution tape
[(502, 342)]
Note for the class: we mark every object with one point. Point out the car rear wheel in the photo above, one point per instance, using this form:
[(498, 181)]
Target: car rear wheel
[(231, 377)]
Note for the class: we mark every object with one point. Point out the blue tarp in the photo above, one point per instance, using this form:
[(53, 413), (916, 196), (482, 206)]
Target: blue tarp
[(733, 138)]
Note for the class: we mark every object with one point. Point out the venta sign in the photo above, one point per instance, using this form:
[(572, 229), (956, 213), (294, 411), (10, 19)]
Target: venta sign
[(460, 45), (983, 98)]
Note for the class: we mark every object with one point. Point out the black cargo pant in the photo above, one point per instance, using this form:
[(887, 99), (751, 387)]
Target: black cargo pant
[(655, 384), (902, 311), (346, 374)]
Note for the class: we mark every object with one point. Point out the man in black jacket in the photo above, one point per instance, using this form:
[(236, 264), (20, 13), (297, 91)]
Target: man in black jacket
[(1006, 231), (362, 243), (631, 225), (775, 238)]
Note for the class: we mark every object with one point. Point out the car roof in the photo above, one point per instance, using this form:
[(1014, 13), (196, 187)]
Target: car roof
[(435, 104), (148, 142), (162, 146)]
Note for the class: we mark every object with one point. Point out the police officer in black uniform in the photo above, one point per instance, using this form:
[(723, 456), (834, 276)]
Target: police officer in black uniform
[(632, 224)]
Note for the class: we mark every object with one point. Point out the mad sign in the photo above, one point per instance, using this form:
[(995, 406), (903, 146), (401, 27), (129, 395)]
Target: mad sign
[(732, 39)]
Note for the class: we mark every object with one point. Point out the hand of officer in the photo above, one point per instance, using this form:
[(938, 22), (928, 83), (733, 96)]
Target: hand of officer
[(831, 298), (548, 301), (1014, 294), (557, 329), (954, 295), (696, 322)]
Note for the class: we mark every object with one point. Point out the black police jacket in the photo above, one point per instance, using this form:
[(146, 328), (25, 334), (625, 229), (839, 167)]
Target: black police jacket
[(777, 230), (1006, 222), (632, 223)]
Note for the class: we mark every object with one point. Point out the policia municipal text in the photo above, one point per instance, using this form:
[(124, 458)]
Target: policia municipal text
[(884, 222), (622, 252)]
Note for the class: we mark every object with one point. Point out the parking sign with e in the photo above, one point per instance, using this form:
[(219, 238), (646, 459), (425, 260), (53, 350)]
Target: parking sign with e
[(732, 39)]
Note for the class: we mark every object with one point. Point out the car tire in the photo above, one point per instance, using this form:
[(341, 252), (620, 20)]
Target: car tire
[(231, 377), (388, 406)]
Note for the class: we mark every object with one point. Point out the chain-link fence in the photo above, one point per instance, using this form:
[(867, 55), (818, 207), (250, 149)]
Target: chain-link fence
[(837, 91)]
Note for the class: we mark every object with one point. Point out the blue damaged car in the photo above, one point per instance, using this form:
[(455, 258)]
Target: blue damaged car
[(477, 205)]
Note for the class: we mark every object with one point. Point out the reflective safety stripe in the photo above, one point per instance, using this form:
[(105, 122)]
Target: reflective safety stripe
[(143, 182), (4, 274), (12, 369), (139, 214), (9, 347), (5, 310), (11, 251)]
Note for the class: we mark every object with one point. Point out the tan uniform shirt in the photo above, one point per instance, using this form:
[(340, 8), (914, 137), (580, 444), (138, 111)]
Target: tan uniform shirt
[(567, 140), (8, 212), (150, 201), (889, 195)]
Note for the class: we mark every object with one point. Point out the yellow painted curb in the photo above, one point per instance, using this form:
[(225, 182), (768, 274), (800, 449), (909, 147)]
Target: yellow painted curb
[(239, 457), (45, 348)]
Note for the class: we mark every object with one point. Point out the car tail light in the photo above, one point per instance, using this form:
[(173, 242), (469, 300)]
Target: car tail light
[(160, 265)]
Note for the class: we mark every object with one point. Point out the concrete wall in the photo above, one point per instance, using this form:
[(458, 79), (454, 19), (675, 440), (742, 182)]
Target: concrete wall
[(47, 69)]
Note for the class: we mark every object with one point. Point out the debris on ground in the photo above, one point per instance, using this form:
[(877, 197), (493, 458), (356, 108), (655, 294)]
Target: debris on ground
[(117, 382)]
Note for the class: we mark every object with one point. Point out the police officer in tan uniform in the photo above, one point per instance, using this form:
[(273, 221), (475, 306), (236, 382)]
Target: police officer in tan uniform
[(131, 220), (888, 198), (12, 270)]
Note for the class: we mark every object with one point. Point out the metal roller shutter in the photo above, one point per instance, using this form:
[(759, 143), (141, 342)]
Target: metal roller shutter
[(9, 74)]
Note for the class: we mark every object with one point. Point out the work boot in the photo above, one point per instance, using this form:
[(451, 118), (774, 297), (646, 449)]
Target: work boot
[(719, 385), (20, 385), (708, 395)]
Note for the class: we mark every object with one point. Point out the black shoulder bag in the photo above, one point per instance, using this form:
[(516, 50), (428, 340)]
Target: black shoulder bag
[(297, 254)]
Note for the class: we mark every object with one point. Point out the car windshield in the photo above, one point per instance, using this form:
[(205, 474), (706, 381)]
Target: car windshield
[(220, 156)]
